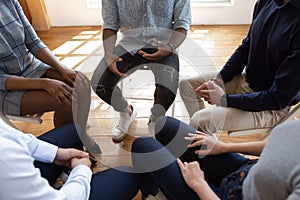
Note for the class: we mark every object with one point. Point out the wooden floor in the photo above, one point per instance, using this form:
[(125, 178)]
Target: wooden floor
[(206, 49)]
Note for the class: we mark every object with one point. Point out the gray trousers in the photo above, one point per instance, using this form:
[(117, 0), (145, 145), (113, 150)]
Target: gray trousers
[(210, 119)]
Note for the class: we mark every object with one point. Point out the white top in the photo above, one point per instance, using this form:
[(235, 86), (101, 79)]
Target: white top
[(21, 180)]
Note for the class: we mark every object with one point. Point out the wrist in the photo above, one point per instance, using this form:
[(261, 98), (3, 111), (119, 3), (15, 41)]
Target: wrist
[(108, 54), (43, 82), (226, 147), (223, 100), (60, 67), (109, 57), (199, 183), (218, 81), (171, 47)]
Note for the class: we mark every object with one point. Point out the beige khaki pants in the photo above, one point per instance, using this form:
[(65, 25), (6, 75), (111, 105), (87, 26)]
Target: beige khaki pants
[(210, 119)]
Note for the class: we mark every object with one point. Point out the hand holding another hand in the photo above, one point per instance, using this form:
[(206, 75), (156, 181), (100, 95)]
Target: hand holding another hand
[(163, 50), (80, 161), (211, 92), (64, 157)]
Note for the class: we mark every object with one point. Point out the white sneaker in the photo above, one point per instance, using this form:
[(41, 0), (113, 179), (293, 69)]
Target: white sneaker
[(119, 132), (151, 125), (151, 128)]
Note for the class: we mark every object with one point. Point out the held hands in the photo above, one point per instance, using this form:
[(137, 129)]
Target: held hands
[(80, 161), (211, 92), (71, 158), (210, 143), (111, 61), (163, 50)]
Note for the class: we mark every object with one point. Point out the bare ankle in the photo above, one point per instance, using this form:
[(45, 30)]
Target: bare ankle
[(128, 109)]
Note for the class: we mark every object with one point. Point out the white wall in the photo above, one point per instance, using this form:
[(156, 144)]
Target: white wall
[(239, 13), (72, 13), (75, 13)]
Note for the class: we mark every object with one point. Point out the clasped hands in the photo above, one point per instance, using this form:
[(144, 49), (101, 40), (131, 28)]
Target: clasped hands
[(211, 92), (71, 158), (163, 50)]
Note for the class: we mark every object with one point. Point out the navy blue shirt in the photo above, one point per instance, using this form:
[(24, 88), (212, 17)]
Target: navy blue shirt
[(270, 55)]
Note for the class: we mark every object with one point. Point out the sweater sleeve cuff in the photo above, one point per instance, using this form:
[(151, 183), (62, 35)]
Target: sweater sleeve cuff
[(223, 100)]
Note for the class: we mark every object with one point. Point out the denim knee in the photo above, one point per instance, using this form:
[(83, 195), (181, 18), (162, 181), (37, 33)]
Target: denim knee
[(141, 145)]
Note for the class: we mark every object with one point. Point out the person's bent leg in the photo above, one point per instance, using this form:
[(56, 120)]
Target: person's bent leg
[(118, 183), (63, 137), (211, 120), (104, 83), (166, 73), (193, 102), (158, 168), (39, 102), (172, 132)]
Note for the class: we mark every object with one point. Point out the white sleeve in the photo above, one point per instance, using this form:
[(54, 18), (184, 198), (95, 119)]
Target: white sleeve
[(39, 150), (79, 181), (23, 181)]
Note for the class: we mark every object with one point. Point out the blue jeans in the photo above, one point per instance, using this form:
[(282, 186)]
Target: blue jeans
[(105, 185), (170, 139)]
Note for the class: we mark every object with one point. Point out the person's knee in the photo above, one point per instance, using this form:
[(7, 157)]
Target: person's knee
[(94, 82), (183, 85), (99, 89), (168, 77), (63, 108), (159, 126), (74, 131), (98, 73), (139, 145), (201, 120)]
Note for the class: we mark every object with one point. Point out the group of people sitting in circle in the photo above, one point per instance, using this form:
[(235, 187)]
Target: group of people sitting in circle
[(255, 88)]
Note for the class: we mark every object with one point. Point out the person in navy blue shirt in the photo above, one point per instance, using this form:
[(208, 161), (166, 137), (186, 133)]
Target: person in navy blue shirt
[(259, 82)]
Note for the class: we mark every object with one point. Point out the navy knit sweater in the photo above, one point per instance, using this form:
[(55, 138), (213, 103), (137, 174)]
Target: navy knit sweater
[(270, 55)]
